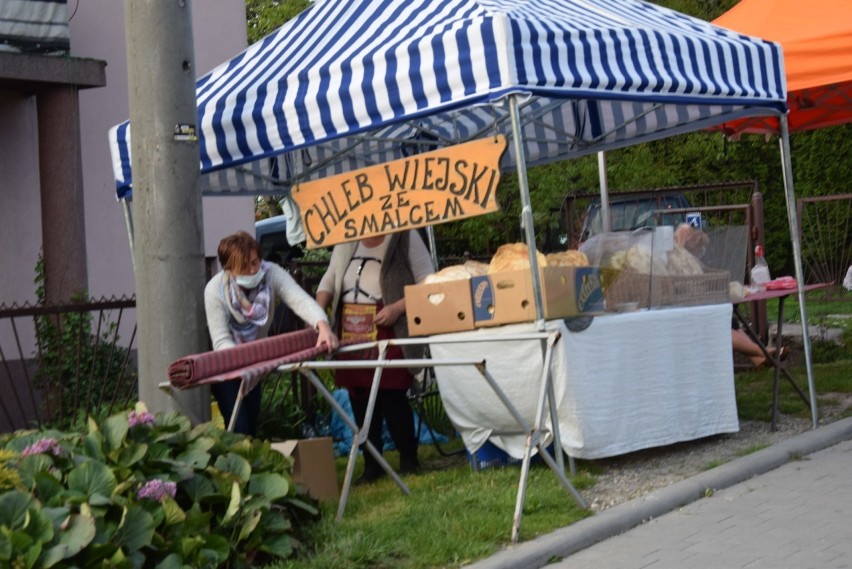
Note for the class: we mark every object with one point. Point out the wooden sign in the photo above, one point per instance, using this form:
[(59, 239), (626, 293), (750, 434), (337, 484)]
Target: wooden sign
[(433, 187)]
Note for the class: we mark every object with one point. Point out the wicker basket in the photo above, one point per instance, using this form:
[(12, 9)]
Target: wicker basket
[(710, 288), (644, 290)]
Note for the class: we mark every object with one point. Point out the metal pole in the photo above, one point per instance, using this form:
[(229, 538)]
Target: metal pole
[(128, 221), (526, 211), (433, 245), (604, 184), (797, 259), (169, 250)]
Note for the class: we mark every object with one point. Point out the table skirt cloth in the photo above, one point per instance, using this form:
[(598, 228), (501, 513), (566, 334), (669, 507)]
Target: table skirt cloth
[(627, 382)]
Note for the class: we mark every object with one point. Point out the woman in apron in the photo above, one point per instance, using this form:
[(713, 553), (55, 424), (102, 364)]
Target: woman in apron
[(365, 288)]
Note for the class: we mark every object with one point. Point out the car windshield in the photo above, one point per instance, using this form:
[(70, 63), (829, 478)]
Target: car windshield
[(627, 215), (271, 233)]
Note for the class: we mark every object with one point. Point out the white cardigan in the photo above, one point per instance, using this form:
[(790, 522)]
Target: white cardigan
[(282, 287)]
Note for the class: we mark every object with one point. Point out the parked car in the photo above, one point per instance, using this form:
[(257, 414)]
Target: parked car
[(635, 212), (271, 233)]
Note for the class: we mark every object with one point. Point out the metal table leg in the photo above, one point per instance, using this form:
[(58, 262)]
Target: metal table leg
[(773, 358)]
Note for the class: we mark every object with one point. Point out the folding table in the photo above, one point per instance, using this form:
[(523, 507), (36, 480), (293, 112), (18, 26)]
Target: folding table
[(773, 359), (297, 355), (532, 429)]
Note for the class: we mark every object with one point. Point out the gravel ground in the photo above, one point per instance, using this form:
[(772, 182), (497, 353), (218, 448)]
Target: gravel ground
[(623, 478)]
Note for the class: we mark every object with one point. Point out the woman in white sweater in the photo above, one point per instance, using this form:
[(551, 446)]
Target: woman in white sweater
[(239, 302)]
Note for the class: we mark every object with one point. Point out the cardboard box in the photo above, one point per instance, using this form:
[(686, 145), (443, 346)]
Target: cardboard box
[(507, 297), (313, 465), (438, 308)]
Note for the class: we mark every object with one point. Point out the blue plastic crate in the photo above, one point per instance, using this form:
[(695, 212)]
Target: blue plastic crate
[(490, 455)]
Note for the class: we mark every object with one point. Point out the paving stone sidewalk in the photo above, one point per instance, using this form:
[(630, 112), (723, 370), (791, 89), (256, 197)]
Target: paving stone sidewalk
[(797, 516), (788, 506)]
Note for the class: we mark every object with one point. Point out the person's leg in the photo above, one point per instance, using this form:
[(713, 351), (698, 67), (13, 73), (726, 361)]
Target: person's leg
[(359, 398), (400, 420), (226, 396), (744, 345)]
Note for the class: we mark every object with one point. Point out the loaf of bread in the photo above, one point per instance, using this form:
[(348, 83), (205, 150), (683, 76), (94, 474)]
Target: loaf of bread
[(683, 263), (637, 259), (693, 240), (451, 273), (513, 257), (457, 272), (476, 268), (737, 290), (569, 258)]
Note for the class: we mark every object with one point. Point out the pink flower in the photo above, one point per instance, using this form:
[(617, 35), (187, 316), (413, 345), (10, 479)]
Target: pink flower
[(43, 446), (140, 418), (156, 490)]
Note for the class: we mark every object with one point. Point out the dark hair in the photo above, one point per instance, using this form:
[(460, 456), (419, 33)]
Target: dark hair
[(235, 251)]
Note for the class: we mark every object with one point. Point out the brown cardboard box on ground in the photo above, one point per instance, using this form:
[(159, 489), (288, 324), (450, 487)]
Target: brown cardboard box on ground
[(313, 465), (438, 308), (507, 297)]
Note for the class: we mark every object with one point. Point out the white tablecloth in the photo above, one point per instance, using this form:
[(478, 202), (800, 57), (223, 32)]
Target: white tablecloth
[(628, 382)]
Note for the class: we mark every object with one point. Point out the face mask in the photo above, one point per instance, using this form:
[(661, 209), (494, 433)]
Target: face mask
[(250, 281)]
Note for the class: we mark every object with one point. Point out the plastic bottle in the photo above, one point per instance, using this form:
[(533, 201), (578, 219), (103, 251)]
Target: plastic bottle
[(760, 270)]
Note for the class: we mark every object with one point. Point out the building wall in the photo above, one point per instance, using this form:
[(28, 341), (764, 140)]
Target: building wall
[(20, 216), (97, 32)]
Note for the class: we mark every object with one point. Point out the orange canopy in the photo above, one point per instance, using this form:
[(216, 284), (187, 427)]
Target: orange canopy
[(816, 37)]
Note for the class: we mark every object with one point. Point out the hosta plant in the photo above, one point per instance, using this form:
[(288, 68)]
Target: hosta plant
[(144, 491)]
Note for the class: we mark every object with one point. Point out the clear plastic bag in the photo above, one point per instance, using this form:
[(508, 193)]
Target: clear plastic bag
[(642, 251)]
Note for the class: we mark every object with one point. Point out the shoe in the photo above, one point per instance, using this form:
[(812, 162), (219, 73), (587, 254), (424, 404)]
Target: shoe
[(780, 354), (409, 466), (369, 476)]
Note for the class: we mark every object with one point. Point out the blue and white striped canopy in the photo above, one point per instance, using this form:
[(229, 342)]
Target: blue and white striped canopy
[(352, 83)]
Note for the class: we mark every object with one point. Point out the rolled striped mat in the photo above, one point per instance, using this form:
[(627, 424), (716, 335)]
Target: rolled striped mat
[(202, 368), (254, 373)]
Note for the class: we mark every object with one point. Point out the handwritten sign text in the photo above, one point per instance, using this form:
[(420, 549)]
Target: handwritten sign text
[(433, 187)]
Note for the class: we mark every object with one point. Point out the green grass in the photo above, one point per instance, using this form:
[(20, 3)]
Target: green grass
[(452, 517), (751, 450), (832, 362), (823, 307), (714, 463), (754, 389)]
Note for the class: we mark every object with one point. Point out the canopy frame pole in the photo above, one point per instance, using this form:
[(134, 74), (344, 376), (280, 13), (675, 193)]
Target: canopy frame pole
[(526, 208), (529, 232), (792, 218), (128, 222), (433, 246), (604, 186)]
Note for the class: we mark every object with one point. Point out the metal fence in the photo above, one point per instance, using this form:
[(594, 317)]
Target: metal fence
[(824, 227), (63, 363)]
